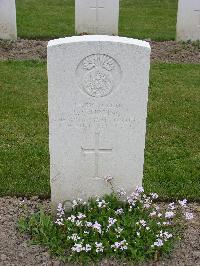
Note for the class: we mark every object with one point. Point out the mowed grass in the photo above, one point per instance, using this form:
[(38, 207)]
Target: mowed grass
[(155, 19), (172, 157), (24, 161)]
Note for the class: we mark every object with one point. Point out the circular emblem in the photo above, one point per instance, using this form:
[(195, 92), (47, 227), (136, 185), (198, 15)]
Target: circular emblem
[(98, 75)]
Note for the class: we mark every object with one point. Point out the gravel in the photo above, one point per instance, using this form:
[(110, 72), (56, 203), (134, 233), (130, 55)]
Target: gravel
[(15, 249), (167, 52)]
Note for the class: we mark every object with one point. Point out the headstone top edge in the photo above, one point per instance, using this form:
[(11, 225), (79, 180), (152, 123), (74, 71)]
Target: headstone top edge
[(98, 38)]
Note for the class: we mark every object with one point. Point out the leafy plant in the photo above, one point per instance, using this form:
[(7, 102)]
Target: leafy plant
[(123, 227)]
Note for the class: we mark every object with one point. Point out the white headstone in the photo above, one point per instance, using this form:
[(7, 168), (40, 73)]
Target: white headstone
[(188, 20), (97, 16), (98, 92), (8, 28)]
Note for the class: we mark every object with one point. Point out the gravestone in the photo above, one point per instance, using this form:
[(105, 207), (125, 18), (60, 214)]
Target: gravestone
[(188, 20), (8, 28), (97, 16), (97, 101)]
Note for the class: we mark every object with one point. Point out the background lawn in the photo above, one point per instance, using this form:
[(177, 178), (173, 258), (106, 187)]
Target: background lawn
[(155, 19), (172, 158)]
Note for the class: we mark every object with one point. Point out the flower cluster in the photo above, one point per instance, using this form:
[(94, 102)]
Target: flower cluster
[(60, 214), (78, 247), (161, 238), (154, 226), (78, 202), (101, 203), (118, 225), (122, 245)]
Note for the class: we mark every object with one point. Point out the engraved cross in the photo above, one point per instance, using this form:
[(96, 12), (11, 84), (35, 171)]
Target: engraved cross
[(97, 7), (198, 14), (97, 151)]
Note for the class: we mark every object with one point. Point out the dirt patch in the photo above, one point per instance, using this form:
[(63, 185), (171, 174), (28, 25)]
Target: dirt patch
[(167, 52), (16, 251), (176, 52), (23, 50)]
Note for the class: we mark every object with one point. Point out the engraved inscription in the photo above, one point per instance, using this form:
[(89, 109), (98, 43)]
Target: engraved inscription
[(98, 75), (97, 8), (97, 151), (99, 115)]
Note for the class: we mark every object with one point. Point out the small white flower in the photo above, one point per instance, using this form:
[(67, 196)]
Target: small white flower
[(147, 205), (131, 201), (77, 248), (121, 192), (99, 247), (139, 189), (154, 195), (87, 247), (97, 227), (167, 235), (143, 223), (78, 202), (171, 206), (152, 214), (118, 230), (188, 215), (86, 232), (101, 204), (130, 208), (119, 211), (116, 245), (74, 237), (134, 196), (81, 215), (169, 214), (74, 203), (111, 221), (138, 233), (123, 245), (88, 224), (79, 223), (108, 178), (159, 215), (183, 203), (166, 223), (59, 221), (147, 228), (60, 210), (158, 243), (71, 218)]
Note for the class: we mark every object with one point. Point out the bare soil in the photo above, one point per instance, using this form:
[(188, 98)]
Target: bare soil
[(167, 52), (15, 249)]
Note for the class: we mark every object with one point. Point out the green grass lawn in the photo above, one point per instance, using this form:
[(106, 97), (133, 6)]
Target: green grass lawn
[(155, 19), (172, 158)]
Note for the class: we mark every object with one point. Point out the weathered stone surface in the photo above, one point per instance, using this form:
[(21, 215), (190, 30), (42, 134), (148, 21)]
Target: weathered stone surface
[(188, 20), (97, 16), (98, 91), (8, 28)]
